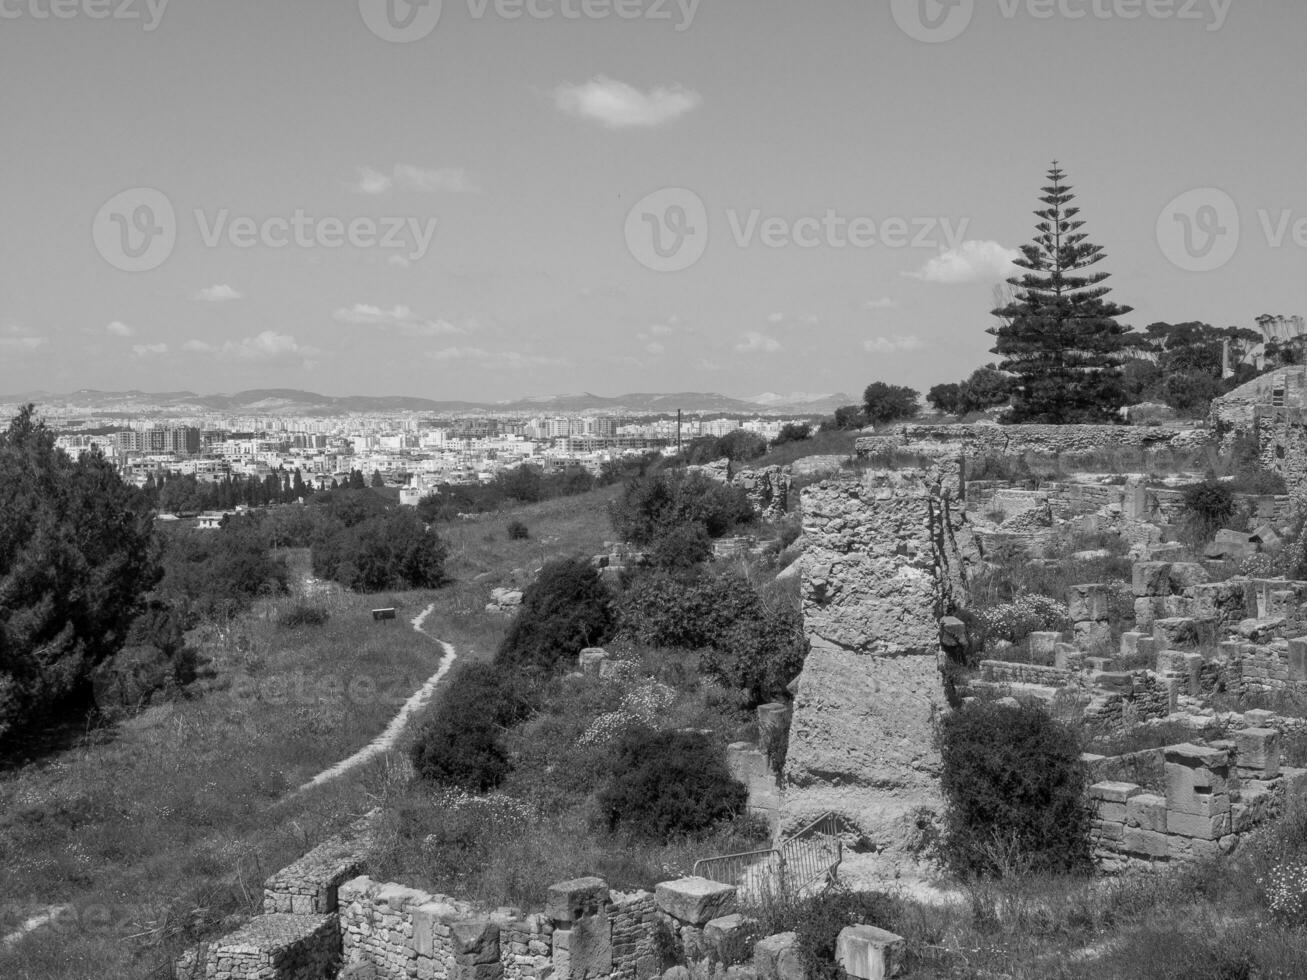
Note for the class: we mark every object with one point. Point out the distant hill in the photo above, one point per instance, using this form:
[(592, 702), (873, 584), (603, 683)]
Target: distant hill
[(292, 401)]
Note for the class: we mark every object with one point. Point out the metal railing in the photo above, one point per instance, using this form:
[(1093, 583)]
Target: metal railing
[(800, 861)]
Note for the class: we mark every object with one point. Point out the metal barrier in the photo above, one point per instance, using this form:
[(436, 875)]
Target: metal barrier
[(803, 859)]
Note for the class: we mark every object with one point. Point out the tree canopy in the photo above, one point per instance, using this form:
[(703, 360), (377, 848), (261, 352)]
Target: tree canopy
[(76, 559), (1060, 336)]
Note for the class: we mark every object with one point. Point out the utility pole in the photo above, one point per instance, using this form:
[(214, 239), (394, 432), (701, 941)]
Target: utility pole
[(678, 432)]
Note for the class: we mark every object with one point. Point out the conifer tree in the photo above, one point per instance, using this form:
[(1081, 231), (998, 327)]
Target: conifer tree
[(1059, 336)]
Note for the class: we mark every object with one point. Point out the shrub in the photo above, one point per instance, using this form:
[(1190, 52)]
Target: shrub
[(682, 548), (460, 746), (1014, 791), (665, 784), (793, 432), (745, 643), (389, 551), (741, 445), (517, 531), (818, 921), (566, 609), (1027, 613), (651, 507), (303, 615), (1210, 504), (219, 573)]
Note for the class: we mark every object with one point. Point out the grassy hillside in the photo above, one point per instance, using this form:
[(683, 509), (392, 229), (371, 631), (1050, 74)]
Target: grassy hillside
[(161, 830)]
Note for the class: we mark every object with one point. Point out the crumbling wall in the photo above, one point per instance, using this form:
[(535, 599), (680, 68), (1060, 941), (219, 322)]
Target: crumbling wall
[(1213, 795), (768, 489), (1012, 440), (886, 557)]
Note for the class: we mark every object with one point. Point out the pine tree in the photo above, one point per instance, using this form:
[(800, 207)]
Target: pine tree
[(1060, 337)]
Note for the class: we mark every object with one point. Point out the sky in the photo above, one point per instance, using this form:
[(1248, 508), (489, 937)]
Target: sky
[(489, 199)]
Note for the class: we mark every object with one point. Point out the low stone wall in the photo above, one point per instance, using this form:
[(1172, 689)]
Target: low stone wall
[(278, 947), (1011, 440), (1213, 795), (1003, 672)]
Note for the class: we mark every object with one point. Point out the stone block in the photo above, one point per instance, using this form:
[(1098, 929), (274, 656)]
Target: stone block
[(1148, 609), (1089, 603), (718, 933), (1295, 782), (868, 953), (1146, 811), (1192, 848), (570, 901), (772, 716), (1130, 642), (1203, 826), (1146, 843), (1110, 798), (1150, 578), (1044, 644), (695, 901), (776, 957), (1259, 750), (1198, 792), (475, 941), (590, 660), (1257, 717), (1092, 633), (1187, 574), (1298, 659), (1266, 537)]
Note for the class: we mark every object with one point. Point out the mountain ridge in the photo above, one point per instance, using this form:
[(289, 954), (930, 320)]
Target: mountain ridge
[(294, 401)]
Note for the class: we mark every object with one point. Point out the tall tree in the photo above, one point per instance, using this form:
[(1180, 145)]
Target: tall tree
[(76, 559), (1060, 336)]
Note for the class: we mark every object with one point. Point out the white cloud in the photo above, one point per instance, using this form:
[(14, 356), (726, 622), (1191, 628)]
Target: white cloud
[(16, 337), (620, 106), (756, 342), (119, 329), (655, 348), (776, 318), (973, 261), (267, 346), (400, 318), (149, 350), (501, 359), (884, 303), (428, 180), (221, 293), (891, 345)]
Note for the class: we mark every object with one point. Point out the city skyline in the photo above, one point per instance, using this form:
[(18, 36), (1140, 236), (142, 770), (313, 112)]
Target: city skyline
[(509, 200)]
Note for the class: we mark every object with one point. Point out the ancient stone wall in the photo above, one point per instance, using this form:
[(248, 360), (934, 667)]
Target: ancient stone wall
[(1012, 440), (886, 557), (768, 489), (1213, 795)]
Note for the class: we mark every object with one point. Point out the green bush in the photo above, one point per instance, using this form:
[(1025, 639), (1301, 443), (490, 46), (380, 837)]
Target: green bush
[(517, 531), (566, 609), (390, 551), (1014, 791), (682, 548), (461, 744), (1210, 505), (666, 784), (744, 642), (219, 573), (653, 506), (818, 921), (793, 432)]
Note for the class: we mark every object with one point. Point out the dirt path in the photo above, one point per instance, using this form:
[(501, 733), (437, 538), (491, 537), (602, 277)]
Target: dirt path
[(31, 925), (387, 739)]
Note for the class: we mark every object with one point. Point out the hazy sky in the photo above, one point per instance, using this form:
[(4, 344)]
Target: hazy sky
[(355, 197)]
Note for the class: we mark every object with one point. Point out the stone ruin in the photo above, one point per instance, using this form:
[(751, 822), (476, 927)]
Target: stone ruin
[(768, 489), (324, 918), (884, 559)]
